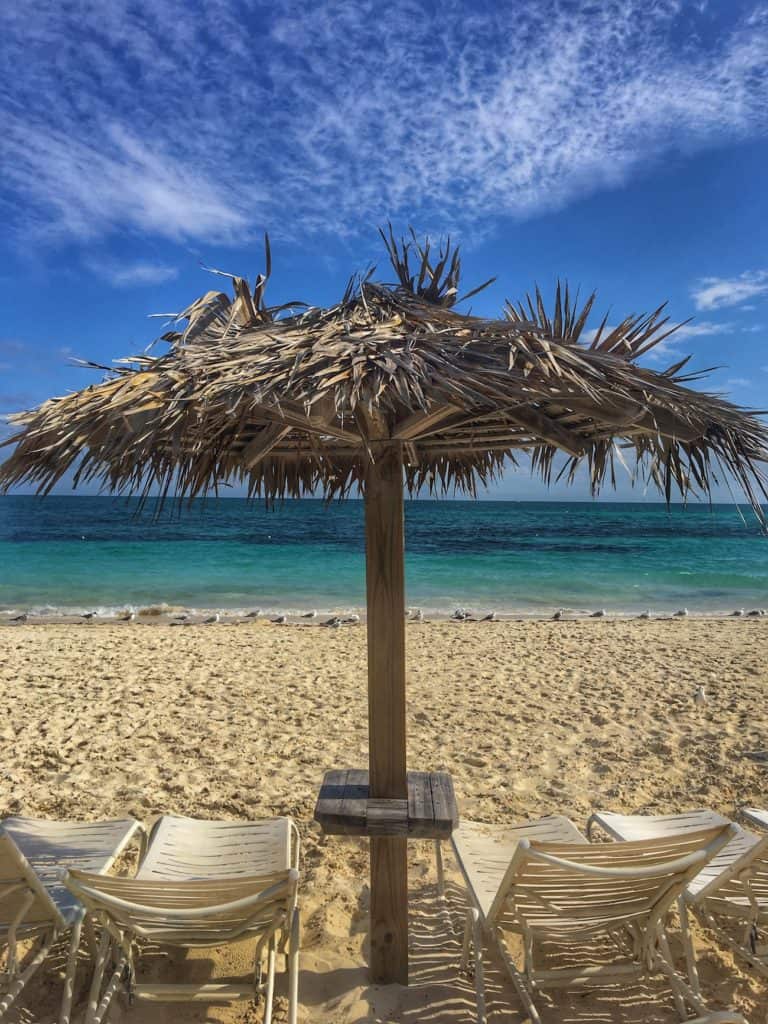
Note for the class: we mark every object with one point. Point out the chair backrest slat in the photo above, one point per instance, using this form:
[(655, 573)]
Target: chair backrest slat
[(570, 886)]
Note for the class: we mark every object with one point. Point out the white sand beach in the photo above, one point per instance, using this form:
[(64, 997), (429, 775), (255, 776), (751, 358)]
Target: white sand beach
[(242, 721)]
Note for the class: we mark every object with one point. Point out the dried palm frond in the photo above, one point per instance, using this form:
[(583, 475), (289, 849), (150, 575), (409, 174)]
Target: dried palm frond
[(296, 400)]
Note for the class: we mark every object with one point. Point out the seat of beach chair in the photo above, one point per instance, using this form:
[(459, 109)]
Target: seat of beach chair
[(201, 884), (484, 851), (648, 826), (755, 816), (566, 891), (33, 902), (49, 846), (190, 848), (733, 884)]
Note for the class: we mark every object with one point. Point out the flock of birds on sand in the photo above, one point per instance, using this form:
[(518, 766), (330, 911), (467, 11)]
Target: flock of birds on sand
[(412, 615)]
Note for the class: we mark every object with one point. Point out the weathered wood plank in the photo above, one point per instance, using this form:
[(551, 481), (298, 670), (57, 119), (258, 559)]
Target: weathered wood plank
[(420, 806), (444, 800), (344, 806), (386, 817), (389, 910), (355, 797), (329, 801)]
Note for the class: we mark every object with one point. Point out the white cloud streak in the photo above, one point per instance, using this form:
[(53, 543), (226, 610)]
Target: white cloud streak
[(720, 292), (131, 275), (208, 121)]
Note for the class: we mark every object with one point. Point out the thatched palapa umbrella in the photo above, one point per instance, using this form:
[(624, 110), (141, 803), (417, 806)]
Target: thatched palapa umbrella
[(390, 390)]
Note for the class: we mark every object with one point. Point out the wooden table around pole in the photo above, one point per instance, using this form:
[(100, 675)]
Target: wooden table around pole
[(345, 807)]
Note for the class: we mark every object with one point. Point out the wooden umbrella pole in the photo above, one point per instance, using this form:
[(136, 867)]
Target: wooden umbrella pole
[(385, 585)]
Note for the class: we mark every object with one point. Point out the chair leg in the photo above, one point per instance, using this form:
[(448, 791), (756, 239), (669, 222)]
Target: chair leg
[(477, 942), (270, 995), (90, 936), (757, 963), (19, 982), (518, 980), (109, 992), (467, 943), (690, 952), (440, 870), (293, 968), (70, 972), (98, 976), (682, 993)]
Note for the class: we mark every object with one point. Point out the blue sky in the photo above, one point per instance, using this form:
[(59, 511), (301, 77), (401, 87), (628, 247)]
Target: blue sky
[(622, 145)]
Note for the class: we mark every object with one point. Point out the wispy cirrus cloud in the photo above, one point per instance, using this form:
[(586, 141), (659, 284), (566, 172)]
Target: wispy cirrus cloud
[(131, 274), (721, 292), (208, 120)]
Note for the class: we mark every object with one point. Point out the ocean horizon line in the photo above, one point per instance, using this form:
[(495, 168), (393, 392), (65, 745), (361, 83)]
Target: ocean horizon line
[(699, 503)]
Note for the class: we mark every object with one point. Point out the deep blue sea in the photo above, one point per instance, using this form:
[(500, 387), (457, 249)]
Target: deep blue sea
[(70, 554)]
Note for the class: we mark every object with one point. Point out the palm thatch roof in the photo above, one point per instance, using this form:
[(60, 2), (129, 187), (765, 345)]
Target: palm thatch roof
[(296, 399)]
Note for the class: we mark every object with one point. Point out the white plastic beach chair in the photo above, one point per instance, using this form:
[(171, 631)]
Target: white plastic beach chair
[(34, 905), (201, 884), (545, 882), (734, 885)]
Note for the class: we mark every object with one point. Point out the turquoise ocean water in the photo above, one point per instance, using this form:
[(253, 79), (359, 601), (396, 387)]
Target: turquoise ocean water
[(70, 554)]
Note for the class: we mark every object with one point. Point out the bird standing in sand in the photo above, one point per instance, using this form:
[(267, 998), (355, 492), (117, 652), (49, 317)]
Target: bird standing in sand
[(280, 620), (700, 696), (212, 619), (20, 618)]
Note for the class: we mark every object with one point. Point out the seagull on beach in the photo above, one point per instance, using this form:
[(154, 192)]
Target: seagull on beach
[(333, 622), (211, 619), (180, 618), (490, 617), (19, 618), (460, 615), (681, 613), (280, 620), (645, 615), (738, 612), (600, 614), (700, 696), (309, 615), (417, 615), (754, 614), (88, 615), (350, 620), (559, 614)]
